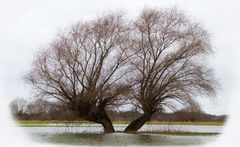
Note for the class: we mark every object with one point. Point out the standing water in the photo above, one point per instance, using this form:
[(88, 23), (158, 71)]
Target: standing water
[(92, 134)]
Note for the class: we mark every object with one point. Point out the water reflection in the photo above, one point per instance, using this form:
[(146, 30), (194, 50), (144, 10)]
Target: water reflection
[(144, 138), (122, 139), (93, 135)]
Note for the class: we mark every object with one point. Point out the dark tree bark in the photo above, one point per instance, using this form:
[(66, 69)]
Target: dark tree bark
[(135, 125), (106, 123)]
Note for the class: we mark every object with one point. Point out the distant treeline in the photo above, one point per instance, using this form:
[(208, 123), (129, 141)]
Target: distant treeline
[(125, 116), (44, 110), (180, 115)]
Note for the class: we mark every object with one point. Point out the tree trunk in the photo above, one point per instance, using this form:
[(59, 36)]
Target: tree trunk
[(135, 125), (107, 126), (106, 122), (95, 115)]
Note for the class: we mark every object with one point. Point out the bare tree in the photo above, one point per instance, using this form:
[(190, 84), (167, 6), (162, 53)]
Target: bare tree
[(84, 68), (168, 52), (18, 105), (87, 69)]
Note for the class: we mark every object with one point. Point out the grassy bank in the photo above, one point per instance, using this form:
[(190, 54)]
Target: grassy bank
[(42, 123), (182, 133)]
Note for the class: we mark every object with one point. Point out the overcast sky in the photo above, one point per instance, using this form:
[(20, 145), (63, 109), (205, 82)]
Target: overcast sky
[(28, 25)]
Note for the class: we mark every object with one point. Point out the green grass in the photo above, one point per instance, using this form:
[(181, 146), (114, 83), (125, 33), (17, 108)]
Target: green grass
[(42, 123), (187, 123), (183, 133), (24, 122)]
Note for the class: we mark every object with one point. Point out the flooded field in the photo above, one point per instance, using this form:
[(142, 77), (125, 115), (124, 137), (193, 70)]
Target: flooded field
[(123, 139), (92, 134)]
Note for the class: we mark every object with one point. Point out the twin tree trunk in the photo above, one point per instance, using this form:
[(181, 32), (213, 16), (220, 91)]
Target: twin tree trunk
[(99, 115), (133, 127), (103, 119)]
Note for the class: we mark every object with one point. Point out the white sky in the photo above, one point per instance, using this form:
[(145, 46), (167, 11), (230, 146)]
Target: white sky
[(28, 25)]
